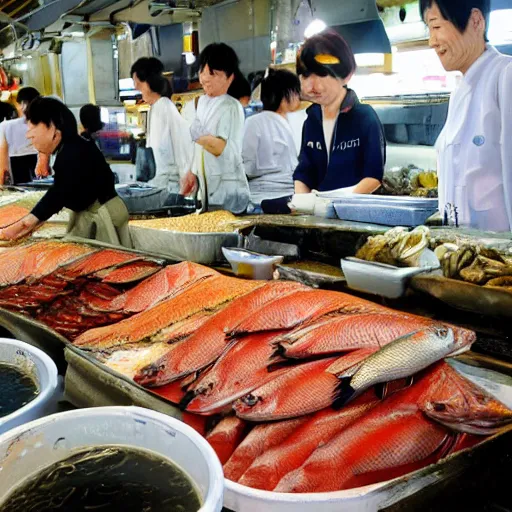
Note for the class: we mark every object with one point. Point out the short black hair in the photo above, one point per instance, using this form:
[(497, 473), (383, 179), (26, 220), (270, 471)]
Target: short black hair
[(90, 117), (459, 12), (7, 111), (150, 69), (27, 95), (219, 57), (240, 87), (52, 111), (326, 53), (280, 84)]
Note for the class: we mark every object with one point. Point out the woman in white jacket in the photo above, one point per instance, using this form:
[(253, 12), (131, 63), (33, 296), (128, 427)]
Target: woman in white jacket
[(269, 151), (474, 148), (168, 132), (217, 131)]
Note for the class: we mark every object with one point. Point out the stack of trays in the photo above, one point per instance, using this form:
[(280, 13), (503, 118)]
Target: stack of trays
[(386, 210)]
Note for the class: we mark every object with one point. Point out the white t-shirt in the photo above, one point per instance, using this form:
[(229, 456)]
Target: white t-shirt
[(269, 156), (328, 125), (14, 132)]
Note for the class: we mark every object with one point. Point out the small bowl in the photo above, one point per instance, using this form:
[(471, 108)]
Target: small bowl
[(251, 264)]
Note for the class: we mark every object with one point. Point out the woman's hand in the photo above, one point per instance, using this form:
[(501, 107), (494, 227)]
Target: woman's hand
[(188, 184), (42, 169), (19, 229)]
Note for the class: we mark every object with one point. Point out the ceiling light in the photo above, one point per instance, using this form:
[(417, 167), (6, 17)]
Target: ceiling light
[(315, 27)]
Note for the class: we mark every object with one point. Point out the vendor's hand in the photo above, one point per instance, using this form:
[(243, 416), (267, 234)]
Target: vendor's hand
[(188, 184), (5, 178), (197, 130), (2, 235), (42, 169)]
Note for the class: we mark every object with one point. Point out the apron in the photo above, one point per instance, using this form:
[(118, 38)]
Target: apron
[(106, 223), (222, 180)]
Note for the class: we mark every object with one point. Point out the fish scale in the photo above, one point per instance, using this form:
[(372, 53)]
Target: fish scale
[(226, 436), (162, 285), (351, 332), (260, 439), (210, 341), (238, 371), (288, 454), (304, 306), (129, 273), (404, 357), (302, 390), (335, 465), (142, 327), (98, 260)]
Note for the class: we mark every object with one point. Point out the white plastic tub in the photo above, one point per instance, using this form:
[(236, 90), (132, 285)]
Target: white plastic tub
[(372, 498), (32, 447), (42, 369), (382, 279), (251, 264)]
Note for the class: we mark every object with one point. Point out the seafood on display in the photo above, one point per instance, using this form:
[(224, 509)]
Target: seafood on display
[(308, 390)]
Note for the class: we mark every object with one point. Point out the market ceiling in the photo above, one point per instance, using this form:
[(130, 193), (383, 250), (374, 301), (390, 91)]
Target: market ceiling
[(39, 14)]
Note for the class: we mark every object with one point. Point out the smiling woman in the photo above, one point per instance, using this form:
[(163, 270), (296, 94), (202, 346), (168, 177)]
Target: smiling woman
[(474, 153)]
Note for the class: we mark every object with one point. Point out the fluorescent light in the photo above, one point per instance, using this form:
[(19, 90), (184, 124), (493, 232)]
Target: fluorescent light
[(500, 27), (315, 27), (104, 115), (190, 58)]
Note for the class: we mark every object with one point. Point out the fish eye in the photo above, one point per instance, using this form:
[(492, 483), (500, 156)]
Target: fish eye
[(443, 332), (250, 400), (438, 407)]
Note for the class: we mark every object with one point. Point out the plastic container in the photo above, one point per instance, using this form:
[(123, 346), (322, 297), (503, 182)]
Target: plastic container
[(42, 369), (382, 279), (387, 214), (251, 264), (32, 447)]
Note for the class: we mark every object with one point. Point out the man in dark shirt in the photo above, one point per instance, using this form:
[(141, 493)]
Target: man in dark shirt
[(83, 181)]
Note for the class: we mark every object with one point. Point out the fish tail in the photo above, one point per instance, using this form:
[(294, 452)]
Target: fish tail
[(343, 393), (187, 398)]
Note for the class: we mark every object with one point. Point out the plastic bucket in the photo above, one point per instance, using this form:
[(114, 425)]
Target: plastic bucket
[(32, 447), (37, 364)]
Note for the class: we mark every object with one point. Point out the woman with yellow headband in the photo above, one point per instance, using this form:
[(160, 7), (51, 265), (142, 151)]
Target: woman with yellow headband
[(343, 144)]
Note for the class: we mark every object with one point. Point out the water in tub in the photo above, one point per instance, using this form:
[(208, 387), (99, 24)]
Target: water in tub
[(17, 389), (113, 478)]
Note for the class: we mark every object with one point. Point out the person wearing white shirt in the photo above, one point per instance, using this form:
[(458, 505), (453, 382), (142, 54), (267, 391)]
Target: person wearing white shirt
[(474, 148), (269, 152), (168, 132), (217, 170), (18, 158)]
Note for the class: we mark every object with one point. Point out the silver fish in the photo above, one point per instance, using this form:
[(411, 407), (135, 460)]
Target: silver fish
[(403, 358)]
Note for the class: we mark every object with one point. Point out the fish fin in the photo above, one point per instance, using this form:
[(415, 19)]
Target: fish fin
[(381, 390), (279, 351), (188, 397), (343, 393)]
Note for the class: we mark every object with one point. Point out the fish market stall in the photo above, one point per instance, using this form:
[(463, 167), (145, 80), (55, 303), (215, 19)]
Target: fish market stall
[(258, 366)]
